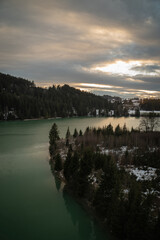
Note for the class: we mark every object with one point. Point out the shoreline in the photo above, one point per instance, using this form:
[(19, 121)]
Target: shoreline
[(42, 118), (82, 202), (52, 118)]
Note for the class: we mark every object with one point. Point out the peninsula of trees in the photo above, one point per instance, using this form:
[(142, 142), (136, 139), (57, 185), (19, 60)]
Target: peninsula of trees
[(116, 173)]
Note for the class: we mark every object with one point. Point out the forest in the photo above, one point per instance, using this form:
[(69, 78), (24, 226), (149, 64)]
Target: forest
[(116, 173), (21, 99), (150, 104)]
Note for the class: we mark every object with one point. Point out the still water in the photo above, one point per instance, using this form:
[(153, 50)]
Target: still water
[(33, 205)]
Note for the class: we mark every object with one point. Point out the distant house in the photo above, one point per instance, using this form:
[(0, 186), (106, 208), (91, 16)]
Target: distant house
[(132, 112), (74, 111), (97, 112), (111, 113)]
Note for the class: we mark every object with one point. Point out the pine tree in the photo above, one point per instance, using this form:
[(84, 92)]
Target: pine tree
[(124, 128), (53, 137), (80, 133), (58, 163), (109, 129), (67, 164), (67, 137), (86, 162), (53, 134), (75, 134), (118, 130), (74, 165), (68, 133)]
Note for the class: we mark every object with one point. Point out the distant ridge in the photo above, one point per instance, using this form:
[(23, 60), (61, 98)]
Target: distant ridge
[(21, 99)]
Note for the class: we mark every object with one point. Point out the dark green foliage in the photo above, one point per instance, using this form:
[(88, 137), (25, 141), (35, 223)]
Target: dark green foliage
[(115, 195), (124, 130), (80, 133), (53, 135), (67, 142), (67, 164), (109, 129), (87, 130), (74, 164), (75, 134), (68, 133), (24, 100), (67, 137), (86, 163), (58, 163), (137, 113), (81, 185), (118, 130), (108, 193), (137, 214), (99, 160), (125, 112), (150, 104)]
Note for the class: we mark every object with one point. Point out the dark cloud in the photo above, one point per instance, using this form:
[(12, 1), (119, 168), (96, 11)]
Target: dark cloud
[(147, 68), (62, 41)]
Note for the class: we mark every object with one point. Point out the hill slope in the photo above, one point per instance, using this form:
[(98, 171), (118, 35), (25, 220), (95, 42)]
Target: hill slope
[(20, 98)]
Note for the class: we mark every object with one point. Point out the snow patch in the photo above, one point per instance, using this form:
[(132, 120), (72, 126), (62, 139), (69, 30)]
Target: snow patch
[(141, 174)]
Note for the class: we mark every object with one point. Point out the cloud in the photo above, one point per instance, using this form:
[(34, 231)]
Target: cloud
[(148, 68), (56, 41)]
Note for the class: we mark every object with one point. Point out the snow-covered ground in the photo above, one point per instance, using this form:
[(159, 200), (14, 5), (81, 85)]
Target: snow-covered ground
[(145, 112), (121, 150), (141, 174), (92, 178)]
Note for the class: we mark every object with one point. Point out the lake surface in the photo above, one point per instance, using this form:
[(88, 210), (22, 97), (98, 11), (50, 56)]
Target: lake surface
[(33, 205)]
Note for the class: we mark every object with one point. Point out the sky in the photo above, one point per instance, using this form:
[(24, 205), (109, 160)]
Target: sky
[(107, 47)]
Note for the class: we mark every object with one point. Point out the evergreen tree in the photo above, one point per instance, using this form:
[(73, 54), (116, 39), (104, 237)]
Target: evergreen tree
[(80, 133), (118, 130), (75, 134), (74, 164), (67, 142), (58, 163), (108, 192), (109, 129), (137, 113), (53, 135), (67, 164), (86, 162), (68, 133), (124, 130), (137, 215)]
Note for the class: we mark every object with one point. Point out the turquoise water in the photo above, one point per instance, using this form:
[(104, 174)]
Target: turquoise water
[(33, 205)]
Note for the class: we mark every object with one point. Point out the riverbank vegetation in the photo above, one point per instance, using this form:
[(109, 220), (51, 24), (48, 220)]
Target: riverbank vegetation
[(116, 173)]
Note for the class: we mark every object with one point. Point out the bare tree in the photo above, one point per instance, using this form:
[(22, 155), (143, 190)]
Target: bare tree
[(149, 123)]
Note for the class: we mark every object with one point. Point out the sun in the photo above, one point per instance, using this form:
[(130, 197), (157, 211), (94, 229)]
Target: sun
[(120, 67)]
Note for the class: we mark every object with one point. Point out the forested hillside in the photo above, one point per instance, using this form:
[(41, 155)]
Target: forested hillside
[(150, 104), (20, 99)]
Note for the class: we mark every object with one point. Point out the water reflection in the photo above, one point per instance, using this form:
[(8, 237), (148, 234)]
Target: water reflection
[(87, 229), (57, 183), (77, 217)]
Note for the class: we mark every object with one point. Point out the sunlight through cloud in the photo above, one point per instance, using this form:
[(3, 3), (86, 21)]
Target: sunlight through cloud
[(124, 68)]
